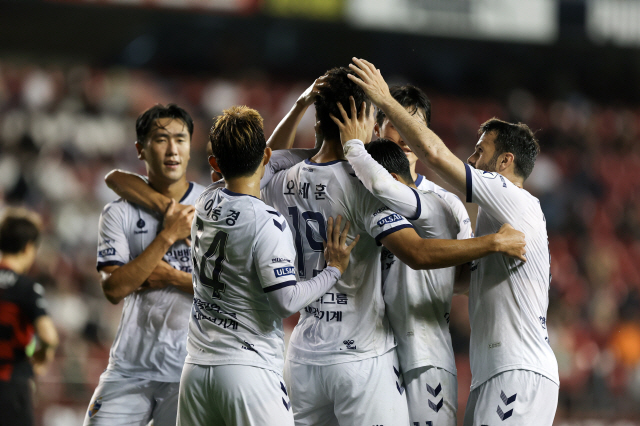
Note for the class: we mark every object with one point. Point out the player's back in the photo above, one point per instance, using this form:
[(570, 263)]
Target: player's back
[(419, 301), (231, 319), (348, 322), (508, 299), (453, 201)]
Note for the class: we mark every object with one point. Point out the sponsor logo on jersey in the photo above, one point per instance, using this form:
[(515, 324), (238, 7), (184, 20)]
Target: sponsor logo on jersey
[(350, 344), (95, 407), (280, 260), (495, 345), (287, 270), (107, 252), (389, 219)]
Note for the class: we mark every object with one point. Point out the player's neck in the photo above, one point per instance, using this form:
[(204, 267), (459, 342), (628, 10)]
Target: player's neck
[(249, 185), (412, 168), (331, 150), (15, 263), (513, 178), (175, 190)]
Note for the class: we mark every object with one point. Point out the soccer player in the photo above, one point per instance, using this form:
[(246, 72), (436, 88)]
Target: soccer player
[(514, 371), (341, 364), (245, 283), (22, 312), (144, 260)]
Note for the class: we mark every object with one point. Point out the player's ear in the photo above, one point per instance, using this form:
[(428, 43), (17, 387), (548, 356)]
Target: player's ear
[(396, 177), (376, 129), (506, 161), (214, 164), (267, 156), (140, 149)]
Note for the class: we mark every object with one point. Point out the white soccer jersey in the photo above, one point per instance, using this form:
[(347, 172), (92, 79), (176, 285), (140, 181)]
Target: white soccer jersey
[(348, 322), (418, 303), (150, 342), (466, 231), (242, 249), (508, 299)]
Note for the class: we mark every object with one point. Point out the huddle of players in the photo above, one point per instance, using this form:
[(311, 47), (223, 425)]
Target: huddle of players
[(271, 221)]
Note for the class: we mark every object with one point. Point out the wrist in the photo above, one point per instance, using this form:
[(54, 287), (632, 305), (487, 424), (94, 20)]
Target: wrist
[(495, 245), (167, 237)]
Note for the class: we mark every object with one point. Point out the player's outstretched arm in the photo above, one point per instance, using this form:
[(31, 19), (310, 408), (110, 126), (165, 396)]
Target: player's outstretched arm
[(132, 187), (395, 195), (431, 253), (423, 141), (290, 299), (48, 341), (285, 132), (120, 281)]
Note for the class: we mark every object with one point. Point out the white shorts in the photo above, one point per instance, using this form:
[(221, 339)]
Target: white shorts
[(232, 395), (432, 396), (516, 397), (367, 392), (121, 400)]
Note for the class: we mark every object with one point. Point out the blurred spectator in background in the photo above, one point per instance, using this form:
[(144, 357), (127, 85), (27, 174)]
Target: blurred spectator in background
[(22, 311)]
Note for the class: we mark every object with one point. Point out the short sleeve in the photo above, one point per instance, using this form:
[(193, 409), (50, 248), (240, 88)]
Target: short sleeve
[(379, 221), (269, 193), (495, 194), (113, 246), (274, 254), (34, 302), (283, 159)]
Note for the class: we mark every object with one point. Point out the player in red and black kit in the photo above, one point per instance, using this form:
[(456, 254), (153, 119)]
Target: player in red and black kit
[(22, 313)]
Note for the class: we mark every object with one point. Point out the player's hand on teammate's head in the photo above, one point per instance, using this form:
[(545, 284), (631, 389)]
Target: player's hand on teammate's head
[(177, 221), (309, 95), (511, 242), (368, 77), (336, 250), (358, 126)]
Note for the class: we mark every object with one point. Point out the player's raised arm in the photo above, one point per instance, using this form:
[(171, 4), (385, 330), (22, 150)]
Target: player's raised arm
[(289, 299), (430, 253), (120, 281), (285, 132), (382, 184), (134, 188), (423, 142)]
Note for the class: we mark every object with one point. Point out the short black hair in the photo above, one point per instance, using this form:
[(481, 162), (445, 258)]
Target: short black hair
[(390, 156), (237, 141), (517, 139), (146, 120), (337, 88), (17, 229), (409, 96)]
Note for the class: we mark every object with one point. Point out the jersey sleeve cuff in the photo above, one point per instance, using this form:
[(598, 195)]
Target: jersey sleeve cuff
[(469, 183), (279, 286), (419, 204), (383, 234), (108, 263)]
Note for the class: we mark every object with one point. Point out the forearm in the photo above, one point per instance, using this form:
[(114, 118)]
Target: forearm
[(132, 188), (129, 277), (288, 300), (395, 195), (183, 282), (285, 133), (434, 254)]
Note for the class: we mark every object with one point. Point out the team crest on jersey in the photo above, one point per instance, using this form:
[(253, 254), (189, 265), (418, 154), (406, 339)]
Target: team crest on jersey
[(140, 224), (95, 407)]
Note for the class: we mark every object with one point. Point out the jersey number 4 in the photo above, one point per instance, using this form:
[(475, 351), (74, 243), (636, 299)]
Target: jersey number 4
[(217, 247)]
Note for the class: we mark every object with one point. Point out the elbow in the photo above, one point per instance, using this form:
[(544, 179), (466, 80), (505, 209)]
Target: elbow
[(110, 179), (110, 294)]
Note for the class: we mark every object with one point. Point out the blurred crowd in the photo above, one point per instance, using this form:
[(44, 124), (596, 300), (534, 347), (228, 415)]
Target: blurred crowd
[(62, 128)]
